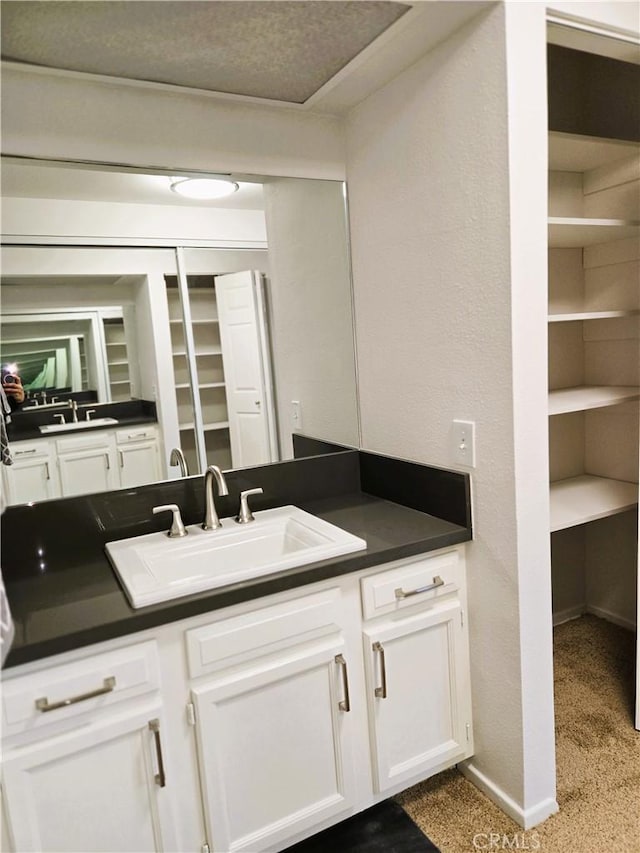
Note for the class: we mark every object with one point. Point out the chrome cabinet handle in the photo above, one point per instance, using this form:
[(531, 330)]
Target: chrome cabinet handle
[(437, 581), (344, 704), (381, 692), (160, 777), (108, 687), (121, 458), (106, 456), (24, 452), (46, 468)]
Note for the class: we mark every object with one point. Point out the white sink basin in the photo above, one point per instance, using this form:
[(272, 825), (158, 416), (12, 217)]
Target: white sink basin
[(155, 568), (96, 422)]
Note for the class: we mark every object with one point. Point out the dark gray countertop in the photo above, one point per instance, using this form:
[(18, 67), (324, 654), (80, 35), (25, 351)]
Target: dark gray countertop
[(78, 602)]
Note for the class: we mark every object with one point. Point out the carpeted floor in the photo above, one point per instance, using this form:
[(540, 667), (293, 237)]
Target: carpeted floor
[(598, 760)]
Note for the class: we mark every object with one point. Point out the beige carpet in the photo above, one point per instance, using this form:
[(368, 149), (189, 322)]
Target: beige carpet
[(598, 761)]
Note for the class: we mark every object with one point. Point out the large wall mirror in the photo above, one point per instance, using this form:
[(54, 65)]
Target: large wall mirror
[(230, 319)]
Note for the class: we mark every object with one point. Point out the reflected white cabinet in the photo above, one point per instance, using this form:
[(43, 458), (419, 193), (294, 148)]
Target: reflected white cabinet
[(82, 464), (138, 456), (33, 475), (87, 464)]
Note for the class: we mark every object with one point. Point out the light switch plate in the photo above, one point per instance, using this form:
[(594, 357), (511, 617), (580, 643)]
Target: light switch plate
[(463, 443), (296, 415)]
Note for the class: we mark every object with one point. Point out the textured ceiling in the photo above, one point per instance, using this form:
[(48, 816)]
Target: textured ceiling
[(278, 50)]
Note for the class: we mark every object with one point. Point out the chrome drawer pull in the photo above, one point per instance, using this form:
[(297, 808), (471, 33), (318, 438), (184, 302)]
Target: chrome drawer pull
[(437, 581), (108, 687), (159, 778), (24, 452), (381, 692), (344, 704)]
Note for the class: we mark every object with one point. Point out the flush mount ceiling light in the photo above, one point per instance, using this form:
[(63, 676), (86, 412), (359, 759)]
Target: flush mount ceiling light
[(204, 188)]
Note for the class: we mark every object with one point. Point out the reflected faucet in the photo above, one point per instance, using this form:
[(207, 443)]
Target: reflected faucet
[(211, 520), (177, 458), (74, 409)]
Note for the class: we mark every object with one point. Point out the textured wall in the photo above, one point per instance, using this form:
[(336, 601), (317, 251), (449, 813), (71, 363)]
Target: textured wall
[(428, 176)]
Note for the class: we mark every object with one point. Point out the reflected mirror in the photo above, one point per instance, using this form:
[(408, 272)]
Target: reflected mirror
[(213, 328)]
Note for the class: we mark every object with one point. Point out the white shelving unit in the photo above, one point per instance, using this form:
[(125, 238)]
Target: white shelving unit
[(594, 373), (590, 397), (579, 500), (211, 385), (117, 360)]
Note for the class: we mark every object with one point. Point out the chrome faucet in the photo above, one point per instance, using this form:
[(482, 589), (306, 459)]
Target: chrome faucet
[(211, 520), (74, 409), (177, 458)]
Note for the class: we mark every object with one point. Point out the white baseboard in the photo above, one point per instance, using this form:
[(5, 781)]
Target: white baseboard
[(526, 818), (560, 616), (603, 613)]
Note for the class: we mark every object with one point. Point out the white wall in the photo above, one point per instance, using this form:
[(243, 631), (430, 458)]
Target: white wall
[(70, 118), (435, 260), (310, 301)]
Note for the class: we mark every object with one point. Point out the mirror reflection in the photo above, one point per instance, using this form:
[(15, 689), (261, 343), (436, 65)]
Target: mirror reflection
[(213, 328)]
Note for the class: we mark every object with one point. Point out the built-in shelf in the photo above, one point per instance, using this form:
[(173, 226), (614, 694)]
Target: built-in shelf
[(207, 427), (118, 362), (579, 500), (584, 397), (200, 352), (591, 315), (195, 321), (574, 232), (119, 382), (203, 385), (569, 152)]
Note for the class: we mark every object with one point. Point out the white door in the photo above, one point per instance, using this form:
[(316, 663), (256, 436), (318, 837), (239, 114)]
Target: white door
[(247, 369), (272, 748), (96, 788), (84, 472), (418, 695)]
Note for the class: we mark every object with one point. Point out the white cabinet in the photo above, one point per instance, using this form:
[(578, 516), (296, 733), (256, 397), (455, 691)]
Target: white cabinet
[(82, 464), (83, 763), (417, 666), (33, 475), (279, 717), (138, 456), (272, 722), (87, 464)]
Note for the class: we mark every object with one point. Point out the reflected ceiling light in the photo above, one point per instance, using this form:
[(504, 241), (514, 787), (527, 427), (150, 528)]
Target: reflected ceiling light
[(204, 188)]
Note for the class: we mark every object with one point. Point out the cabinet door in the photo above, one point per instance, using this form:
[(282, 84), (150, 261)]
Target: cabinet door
[(96, 788), (83, 472), (31, 478), (272, 748), (138, 463), (418, 695)]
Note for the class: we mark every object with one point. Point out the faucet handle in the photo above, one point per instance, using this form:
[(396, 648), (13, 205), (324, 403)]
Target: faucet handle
[(61, 416), (244, 513), (177, 527), (88, 413)]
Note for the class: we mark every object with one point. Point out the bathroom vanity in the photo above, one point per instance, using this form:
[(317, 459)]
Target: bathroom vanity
[(249, 716)]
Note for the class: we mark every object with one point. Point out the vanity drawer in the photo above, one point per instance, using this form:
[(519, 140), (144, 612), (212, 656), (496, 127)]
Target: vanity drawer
[(95, 441), (242, 638), (30, 450), (421, 580), (133, 434), (35, 701)]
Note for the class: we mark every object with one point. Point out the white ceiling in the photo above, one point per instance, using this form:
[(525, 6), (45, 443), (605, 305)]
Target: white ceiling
[(276, 50)]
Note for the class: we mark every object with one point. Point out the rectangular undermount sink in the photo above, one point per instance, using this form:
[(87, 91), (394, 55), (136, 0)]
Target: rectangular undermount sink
[(155, 568), (96, 422)]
